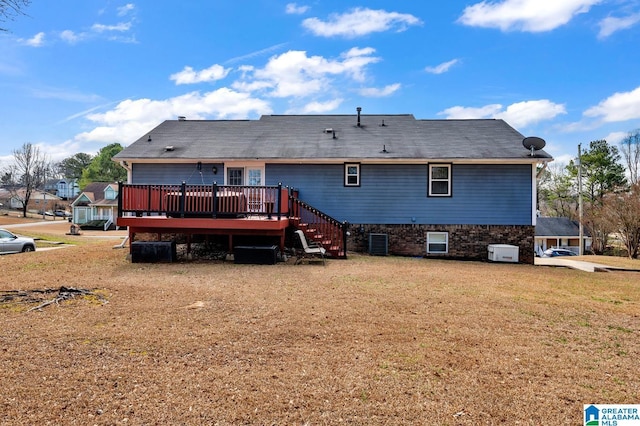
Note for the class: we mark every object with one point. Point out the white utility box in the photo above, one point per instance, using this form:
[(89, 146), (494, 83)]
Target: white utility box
[(503, 253)]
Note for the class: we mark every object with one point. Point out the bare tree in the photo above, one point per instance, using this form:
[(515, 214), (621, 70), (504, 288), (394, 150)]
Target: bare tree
[(630, 148), (9, 9), (27, 173), (558, 193), (623, 211)]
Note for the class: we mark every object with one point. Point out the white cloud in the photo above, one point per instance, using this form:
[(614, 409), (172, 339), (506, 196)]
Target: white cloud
[(132, 118), (374, 92), (124, 10), (519, 114), (525, 113), (294, 74), (524, 15), (309, 84), (71, 37), (442, 68), (189, 76), (321, 107), (120, 27), (35, 41), (610, 25), (360, 22), (621, 106), (460, 112), (614, 138), (294, 9)]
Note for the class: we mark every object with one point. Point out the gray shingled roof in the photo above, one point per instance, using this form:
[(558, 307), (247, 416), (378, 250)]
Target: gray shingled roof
[(558, 227), (307, 137)]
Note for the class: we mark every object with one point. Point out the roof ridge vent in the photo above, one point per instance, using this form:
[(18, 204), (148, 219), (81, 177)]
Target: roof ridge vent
[(182, 118)]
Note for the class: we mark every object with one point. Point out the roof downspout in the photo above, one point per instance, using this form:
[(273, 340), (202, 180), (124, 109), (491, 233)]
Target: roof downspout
[(128, 168)]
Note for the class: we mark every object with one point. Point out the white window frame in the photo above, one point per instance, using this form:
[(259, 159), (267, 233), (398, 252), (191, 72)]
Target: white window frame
[(347, 175), (246, 168), (430, 237), (432, 180)]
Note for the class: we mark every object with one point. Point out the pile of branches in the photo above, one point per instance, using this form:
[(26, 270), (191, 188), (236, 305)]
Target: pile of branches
[(47, 296)]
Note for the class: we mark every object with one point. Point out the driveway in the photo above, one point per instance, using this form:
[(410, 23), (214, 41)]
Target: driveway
[(581, 265), (62, 227)]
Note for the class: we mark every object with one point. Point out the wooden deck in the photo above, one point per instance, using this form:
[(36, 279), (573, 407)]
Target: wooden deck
[(264, 211), (159, 225)]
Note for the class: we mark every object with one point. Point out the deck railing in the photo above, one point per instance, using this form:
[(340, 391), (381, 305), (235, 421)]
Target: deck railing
[(202, 201), (321, 227)]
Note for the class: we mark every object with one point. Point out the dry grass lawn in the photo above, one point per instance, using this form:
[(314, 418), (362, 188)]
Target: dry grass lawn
[(364, 341)]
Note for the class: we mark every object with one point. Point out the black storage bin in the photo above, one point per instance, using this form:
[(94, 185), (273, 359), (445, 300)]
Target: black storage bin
[(153, 251), (257, 255)]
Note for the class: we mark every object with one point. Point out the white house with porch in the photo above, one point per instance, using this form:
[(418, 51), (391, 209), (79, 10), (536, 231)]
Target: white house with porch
[(97, 203)]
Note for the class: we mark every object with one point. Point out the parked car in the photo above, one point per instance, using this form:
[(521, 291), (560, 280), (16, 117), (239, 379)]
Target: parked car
[(554, 252), (62, 213), (11, 243)]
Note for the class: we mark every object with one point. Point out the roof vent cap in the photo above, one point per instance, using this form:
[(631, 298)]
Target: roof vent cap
[(169, 148)]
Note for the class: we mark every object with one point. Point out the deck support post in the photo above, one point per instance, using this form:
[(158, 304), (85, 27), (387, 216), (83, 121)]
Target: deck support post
[(345, 234), (183, 194), (279, 203), (214, 199)]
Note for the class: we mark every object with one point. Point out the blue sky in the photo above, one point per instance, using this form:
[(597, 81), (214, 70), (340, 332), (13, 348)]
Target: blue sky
[(78, 75)]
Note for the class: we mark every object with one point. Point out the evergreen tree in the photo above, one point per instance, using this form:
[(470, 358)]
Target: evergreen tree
[(103, 168)]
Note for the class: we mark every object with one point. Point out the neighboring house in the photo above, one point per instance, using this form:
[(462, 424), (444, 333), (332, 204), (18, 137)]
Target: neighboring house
[(560, 232), (441, 188), (98, 202), (67, 188), (5, 198), (39, 201)]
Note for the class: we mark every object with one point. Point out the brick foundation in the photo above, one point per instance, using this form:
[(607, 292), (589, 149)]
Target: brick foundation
[(465, 241)]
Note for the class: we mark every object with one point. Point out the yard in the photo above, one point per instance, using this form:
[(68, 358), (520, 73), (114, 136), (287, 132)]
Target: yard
[(368, 340)]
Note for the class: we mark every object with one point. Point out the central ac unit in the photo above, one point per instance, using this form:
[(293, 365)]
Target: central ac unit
[(503, 253), (378, 244)]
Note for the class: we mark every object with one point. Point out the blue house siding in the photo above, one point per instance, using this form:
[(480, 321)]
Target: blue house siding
[(388, 194), (397, 194), (173, 174)]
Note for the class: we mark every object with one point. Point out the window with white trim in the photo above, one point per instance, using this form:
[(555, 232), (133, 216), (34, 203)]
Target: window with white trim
[(235, 176), (439, 180), (437, 242), (352, 174)]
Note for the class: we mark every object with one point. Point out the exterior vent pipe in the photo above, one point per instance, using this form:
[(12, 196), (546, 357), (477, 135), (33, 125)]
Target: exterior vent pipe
[(358, 109)]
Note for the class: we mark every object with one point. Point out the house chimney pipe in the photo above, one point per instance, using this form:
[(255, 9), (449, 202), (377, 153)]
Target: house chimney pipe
[(358, 109)]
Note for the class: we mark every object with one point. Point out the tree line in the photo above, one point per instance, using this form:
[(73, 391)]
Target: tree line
[(31, 169), (610, 192)]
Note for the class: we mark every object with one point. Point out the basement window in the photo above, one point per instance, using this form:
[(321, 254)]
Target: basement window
[(437, 242), (351, 174)]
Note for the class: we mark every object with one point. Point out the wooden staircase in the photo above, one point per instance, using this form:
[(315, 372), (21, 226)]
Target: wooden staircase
[(319, 227)]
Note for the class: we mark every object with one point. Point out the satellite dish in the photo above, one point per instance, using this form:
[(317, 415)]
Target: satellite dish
[(533, 143)]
